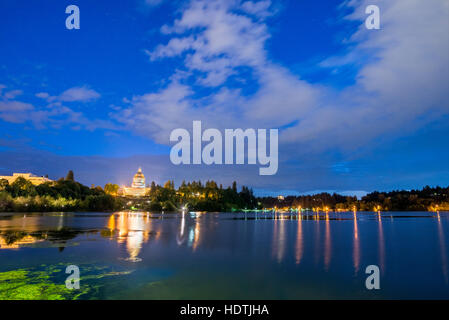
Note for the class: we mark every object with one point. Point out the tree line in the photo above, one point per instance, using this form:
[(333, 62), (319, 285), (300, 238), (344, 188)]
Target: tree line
[(428, 198), (197, 196), (66, 194)]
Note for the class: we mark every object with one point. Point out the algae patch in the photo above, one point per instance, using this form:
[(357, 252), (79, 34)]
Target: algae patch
[(48, 283)]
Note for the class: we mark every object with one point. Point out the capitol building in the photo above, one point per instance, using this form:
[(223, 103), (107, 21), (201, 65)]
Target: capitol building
[(138, 187)]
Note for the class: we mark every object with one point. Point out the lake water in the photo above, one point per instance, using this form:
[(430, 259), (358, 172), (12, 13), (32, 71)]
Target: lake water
[(224, 255)]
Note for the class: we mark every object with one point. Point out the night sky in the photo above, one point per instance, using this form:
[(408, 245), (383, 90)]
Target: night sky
[(358, 110)]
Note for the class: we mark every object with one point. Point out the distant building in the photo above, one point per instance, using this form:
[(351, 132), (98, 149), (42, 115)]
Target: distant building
[(138, 187), (29, 176), (281, 198)]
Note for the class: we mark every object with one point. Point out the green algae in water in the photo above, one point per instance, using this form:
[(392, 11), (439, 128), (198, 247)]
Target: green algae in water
[(48, 283), (24, 284)]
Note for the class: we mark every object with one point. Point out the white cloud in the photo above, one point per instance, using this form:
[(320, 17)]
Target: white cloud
[(175, 47), (42, 95), (402, 83), (11, 110), (223, 42), (21, 112), (14, 111), (54, 113), (259, 9), (75, 94), (12, 94)]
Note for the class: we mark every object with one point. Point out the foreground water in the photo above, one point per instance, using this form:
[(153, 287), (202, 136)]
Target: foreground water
[(224, 255)]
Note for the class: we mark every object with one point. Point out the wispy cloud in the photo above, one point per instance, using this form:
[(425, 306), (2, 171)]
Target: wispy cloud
[(401, 84), (75, 94), (12, 94), (54, 112), (217, 43), (15, 111), (224, 74), (82, 94)]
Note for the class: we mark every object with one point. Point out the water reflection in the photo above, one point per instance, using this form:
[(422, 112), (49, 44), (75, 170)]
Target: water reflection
[(356, 246), (279, 237), (443, 250), (237, 242), (180, 236), (299, 241), (15, 240), (133, 230), (327, 244), (317, 239), (194, 239), (111, 223), (381, 244)]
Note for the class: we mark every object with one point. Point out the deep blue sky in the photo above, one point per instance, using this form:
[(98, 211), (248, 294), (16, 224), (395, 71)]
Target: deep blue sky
[(350, 127)]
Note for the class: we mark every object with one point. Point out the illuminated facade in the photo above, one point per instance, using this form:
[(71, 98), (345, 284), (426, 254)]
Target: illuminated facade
[(29, 176), (138, 187)]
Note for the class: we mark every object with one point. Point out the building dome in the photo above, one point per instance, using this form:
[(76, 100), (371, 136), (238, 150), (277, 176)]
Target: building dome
[(138, 187), (138, 180)]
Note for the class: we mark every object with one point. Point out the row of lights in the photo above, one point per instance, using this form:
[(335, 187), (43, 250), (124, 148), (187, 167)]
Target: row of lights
[(326, 209)]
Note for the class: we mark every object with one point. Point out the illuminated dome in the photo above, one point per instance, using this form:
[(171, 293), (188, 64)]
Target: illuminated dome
[(138, 180), (138, 187)]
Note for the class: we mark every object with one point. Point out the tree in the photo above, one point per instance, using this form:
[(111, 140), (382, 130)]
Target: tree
[(168, 185), (22, 187), (234, 186), (3, 184), (6, 201), (111, 189), (70, 176)]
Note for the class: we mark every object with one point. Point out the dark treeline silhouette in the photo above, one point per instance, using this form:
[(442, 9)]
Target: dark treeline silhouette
[(200, 197), (62, 195), (428, 198), (69, 195), (321, 200), (66, 194)]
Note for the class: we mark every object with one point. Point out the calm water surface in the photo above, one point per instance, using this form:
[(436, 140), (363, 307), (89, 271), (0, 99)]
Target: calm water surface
[(224, 255)]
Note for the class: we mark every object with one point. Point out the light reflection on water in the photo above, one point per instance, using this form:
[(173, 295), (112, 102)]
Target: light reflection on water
[(443, 249), (239, 255), (299, 241), (381, 244), (327, 245), (356, 246)]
